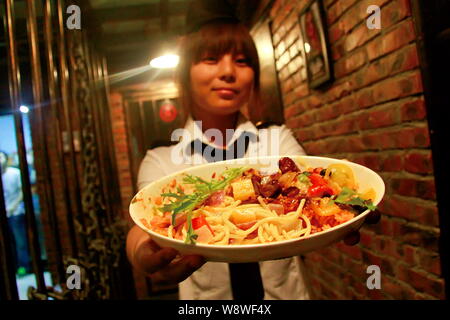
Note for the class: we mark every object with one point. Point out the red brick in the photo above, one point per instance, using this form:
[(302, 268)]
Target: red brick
[(372, 161), (328, 112), (397, 138), (429, 261), (366, 238), (274, 10), (376, 294), (337, 50), (394, 63), (305, 134), (290, 21), (335, 11), (394, 12), (359, 36), (398, 87), (397, 38), (418, 188), (329, 3), (378, 118), (335, 33), (354, 144), (316, 258), (410, 209), (352, 251), (419, 162), (410, 254), (364, 98), (393, 162), (370, 258), (350, 63), (290, 111), (307, 119), (338, 91), (347, 104), (413, 110), (291, 37), (396, 289), (293, 51), (314, 147), (419, 236), (424, 283), (289, 98), (386, 226)]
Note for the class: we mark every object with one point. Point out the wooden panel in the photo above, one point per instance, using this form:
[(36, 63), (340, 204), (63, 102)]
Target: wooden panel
[(272, 109)]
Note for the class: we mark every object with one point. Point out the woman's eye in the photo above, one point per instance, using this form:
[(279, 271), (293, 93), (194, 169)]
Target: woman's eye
[(209, 59), (243, 61)]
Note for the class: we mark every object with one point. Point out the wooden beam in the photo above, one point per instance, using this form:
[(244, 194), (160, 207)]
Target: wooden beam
[(164, 14)]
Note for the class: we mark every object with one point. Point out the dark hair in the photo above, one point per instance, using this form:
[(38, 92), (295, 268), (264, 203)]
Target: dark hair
[(216, 38)]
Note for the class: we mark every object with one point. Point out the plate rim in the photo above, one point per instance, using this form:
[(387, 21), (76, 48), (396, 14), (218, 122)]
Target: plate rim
[(258, 245)]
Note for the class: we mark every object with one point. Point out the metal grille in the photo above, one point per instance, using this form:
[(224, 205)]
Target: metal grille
[(74, 159)]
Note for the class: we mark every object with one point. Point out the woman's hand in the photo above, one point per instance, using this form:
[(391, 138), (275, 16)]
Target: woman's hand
[(353, 237), (163, 265)]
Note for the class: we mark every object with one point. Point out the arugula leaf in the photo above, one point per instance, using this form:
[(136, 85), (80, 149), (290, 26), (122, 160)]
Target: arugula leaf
[(203, 189), (350, 197), (172, 194), (303, 177), (191, 236)]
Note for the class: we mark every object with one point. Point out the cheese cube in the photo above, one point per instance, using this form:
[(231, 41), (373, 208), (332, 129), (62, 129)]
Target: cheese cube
[(243, 189)]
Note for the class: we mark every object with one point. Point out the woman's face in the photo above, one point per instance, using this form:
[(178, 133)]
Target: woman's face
[(221, 85)]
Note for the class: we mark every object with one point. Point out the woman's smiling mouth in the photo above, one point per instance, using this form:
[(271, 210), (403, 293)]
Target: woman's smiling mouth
[(226, 93)]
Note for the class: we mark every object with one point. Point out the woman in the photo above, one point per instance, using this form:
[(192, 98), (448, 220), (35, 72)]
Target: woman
[(218, 76)]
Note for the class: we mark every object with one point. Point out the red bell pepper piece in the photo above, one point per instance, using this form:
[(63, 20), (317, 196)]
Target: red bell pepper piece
[(317, 180), (320, 191), (319, 186), (199, 222)]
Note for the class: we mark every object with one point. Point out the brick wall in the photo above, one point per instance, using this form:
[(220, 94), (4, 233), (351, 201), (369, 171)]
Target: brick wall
[(121, 150), (119, 131), (374, 114)]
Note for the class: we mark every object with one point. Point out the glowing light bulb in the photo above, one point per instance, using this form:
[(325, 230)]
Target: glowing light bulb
[(165, 62), (307, 47), (24, 109)]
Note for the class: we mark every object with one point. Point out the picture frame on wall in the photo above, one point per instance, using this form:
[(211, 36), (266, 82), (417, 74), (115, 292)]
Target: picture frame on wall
[(315, 44)]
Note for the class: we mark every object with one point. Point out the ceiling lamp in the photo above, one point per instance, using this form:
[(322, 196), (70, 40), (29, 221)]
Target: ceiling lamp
[(24, 109), (165, 61)]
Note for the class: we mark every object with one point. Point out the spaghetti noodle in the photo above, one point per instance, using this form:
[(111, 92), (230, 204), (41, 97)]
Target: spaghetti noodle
[(246, 207)]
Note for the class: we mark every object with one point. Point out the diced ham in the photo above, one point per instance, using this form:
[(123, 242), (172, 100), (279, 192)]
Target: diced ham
[(278, 208), (160, 222), (252, 235), (180, 219), (215, 199), (179, 231), (229, 191), (246, 225), (204, 234)]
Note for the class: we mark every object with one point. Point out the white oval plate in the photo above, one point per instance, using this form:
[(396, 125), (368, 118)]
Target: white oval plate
[(364, 177)]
